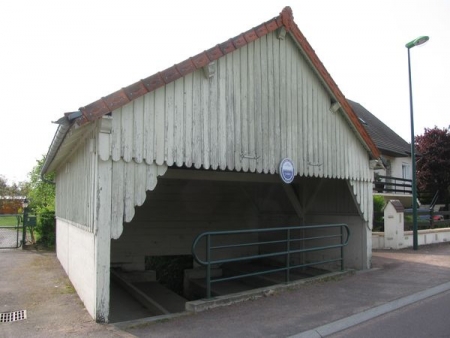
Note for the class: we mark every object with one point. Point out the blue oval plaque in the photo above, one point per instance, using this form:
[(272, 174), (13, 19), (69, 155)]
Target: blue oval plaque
[(287, 170)]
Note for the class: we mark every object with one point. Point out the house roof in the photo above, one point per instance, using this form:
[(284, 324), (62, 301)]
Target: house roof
[(127, 94), (387, 141)]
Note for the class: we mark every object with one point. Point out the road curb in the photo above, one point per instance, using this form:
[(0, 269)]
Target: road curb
[(345, 323)]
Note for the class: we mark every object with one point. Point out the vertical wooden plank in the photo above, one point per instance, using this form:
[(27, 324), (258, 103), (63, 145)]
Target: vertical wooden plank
[(149, 127), (213, 111), (315, 125), (257, 163), (237, 109), (188, 119), (138, 127), (334, 144), (310, 137), (288, 98), (197, 121), (264, 160), (305, 116), (117, 195), (116, 146), (91, 185), (222, 113), (271, 99), (324, 137), (340, 158), (347, 150), (293, 87), (284, 119), (140, 177), (277, 99), (104, 137), (244, 108), (300, 126), (179, 122), (103, 239), (160, 124), (317, 129), (205, 114), (127, 132), (230, 112), (169, 126), (129, 191), (152, 174), (251, 97)]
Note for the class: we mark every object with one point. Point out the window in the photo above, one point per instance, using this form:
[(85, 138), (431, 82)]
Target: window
[(406, 171)]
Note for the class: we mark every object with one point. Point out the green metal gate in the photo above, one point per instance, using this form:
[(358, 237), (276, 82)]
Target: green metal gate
[(10, 231)]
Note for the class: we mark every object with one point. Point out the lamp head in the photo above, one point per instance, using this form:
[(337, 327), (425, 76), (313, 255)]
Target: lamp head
[(417, 42), (25, 203)]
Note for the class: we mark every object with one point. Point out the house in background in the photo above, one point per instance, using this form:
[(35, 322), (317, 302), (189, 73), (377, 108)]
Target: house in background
[(394, 180), (197, 147)]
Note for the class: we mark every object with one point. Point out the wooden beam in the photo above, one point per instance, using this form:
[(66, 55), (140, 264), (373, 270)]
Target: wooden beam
[(314, 194), (293, 198)]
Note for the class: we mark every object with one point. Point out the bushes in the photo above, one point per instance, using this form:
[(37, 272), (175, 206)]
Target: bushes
[(378, 216), (45, 228)]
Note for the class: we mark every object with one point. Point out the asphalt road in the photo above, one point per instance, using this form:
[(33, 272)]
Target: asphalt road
[(427, 318)]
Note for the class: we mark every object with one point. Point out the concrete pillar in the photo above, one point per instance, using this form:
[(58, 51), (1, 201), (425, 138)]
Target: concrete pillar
[(394, 234)]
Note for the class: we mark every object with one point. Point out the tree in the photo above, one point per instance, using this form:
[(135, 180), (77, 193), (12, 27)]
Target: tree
[(41, 193), (433, 165), (42, 201)]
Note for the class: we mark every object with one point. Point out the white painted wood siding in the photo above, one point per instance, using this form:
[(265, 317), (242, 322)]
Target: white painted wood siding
[(75, 184), (263, 103)]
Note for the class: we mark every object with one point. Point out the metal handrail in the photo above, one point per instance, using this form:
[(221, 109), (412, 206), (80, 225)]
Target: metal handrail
[(287, 252), (391, 184)]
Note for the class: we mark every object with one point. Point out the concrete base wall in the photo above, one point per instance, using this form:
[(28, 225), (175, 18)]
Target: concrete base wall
[(75, 251), (431, 236)]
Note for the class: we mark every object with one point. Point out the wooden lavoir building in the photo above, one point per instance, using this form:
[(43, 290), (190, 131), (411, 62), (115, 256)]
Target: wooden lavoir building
[(196, 147)]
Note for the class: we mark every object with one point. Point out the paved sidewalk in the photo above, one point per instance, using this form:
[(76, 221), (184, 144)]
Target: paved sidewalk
[(34, 281)]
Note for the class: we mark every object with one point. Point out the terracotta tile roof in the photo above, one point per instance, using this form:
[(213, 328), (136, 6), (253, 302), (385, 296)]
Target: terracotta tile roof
[(125, 95), (387, 141)]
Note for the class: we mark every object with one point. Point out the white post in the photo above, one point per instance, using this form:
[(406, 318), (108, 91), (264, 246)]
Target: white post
[(394, 233)]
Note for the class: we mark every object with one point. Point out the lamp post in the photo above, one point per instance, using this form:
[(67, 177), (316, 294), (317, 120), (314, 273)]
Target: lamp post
[(416, 42), (25, 216)]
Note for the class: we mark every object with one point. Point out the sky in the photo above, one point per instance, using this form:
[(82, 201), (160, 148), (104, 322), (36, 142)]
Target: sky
[(57, 56)]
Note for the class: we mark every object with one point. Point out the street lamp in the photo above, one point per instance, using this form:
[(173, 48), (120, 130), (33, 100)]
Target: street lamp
[(416, 42)]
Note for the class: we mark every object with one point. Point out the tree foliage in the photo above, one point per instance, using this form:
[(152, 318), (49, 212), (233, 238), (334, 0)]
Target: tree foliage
[(41, 193), (42, 201), (433, 165)]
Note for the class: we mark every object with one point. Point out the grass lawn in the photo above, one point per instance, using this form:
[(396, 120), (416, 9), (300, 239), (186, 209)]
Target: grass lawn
[(8, 220)]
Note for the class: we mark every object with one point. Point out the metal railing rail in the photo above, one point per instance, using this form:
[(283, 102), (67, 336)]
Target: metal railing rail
[(288, 240), (393, 184)]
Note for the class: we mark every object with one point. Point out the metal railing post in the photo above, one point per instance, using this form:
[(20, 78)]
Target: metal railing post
[(342, 248), (288, 255), (208, 267)]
